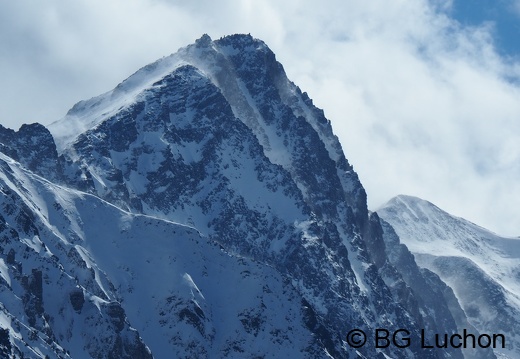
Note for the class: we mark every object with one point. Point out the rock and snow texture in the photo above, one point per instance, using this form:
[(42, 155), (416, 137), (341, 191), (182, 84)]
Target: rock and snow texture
[(203, 208), (216, 137), (481, 267), (55, 302), (94, 272)]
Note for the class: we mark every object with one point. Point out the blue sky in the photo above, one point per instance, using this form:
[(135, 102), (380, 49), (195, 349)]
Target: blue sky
[(503, 16), (423, 95)]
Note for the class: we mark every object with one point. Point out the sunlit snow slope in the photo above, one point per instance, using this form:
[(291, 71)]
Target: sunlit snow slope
[(482, 268)]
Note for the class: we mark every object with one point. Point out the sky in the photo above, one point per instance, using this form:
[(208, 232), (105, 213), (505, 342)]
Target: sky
[(424, 95)]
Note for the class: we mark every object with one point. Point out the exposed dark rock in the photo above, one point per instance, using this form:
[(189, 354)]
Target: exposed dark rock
[(33, 146), (77, 299), (33, 297), (5, 344), (117, 315)]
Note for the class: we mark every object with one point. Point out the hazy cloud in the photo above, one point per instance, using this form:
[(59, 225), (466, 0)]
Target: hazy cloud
[(422, 105)]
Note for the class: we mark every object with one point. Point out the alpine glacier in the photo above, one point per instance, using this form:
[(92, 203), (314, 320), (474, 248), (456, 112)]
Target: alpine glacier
[(204, 209)]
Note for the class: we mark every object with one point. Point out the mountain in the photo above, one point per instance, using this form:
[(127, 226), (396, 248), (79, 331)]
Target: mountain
[(93, 269), (481, 267), (203, 208)]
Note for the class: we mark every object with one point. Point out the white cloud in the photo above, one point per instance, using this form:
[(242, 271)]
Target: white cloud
[(515, 7), (421, 104)]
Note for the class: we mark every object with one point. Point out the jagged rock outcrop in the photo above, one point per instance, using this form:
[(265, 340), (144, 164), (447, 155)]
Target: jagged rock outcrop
[(34, 147)]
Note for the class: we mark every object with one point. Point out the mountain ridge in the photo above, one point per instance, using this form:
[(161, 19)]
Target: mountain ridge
[(456, 249), (215, 137)]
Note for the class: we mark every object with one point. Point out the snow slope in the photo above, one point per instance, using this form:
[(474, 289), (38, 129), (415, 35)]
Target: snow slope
[(482, 267), (185, 296)]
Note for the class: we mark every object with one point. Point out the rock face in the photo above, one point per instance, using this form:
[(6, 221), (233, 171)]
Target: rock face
[(203, 208), (33, 146)]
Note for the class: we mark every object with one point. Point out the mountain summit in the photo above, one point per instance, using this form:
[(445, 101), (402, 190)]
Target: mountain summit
[(204, 208)]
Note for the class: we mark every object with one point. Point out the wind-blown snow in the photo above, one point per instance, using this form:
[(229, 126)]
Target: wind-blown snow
[(475, 262)]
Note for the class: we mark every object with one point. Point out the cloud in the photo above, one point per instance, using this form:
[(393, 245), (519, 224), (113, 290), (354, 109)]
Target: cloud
[(422, 104), (515, 7), (57, 53)]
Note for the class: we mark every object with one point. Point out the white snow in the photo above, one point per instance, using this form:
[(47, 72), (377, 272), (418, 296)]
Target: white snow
[(88, 114), (33, 243), (428, 230), (430, 233), (4, 272)]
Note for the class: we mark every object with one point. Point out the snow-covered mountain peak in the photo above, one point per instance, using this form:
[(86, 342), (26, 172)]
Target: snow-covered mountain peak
[(416, 216), (217, 137), (411, 207), (482, 267), (205, 204), (87, 114)]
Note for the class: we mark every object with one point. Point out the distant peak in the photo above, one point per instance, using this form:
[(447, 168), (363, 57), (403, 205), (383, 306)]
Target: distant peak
[(86, 115), (410, 199), (241, 41), (406, 199), (204, 41), (237, 40)]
